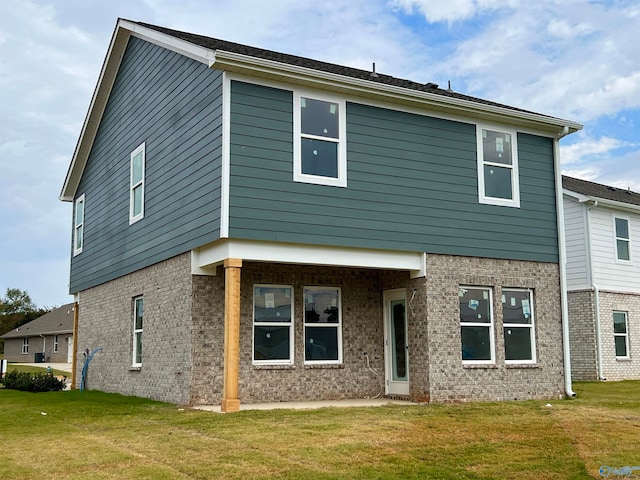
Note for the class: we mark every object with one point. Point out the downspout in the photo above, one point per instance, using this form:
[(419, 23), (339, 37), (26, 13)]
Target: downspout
[(44, 346), (596, 292), (563, 264)]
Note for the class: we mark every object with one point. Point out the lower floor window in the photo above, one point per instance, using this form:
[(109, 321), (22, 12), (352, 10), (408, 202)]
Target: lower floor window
[(138, 316), (322, 325), (55, 343), (518, 327), (25, 346), (272, 324), (620, 334), (476, 324)]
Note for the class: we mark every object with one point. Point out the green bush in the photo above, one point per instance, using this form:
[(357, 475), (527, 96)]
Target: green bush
[(32, 382)]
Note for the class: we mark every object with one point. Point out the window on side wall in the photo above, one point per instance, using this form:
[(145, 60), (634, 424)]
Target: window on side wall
[(476, 324), (319, 152), (623, 250), (518, 325), (322, 325), (138, 320), (78, 223), (25, 346), (273, 324), (136, 195), (498, 181), (55, 343), (621, 334)]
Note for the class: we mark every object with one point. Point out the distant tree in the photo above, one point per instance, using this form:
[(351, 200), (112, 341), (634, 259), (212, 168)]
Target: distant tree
[(16, 301), (16, 309)]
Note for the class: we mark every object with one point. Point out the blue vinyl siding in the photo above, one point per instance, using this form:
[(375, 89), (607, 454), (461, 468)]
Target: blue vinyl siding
[(412, 185), (174, 104)]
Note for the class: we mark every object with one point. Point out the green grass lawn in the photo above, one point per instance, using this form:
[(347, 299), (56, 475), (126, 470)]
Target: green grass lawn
[(74, 435)]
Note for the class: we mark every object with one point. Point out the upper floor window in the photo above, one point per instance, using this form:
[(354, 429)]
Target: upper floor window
[(136, 198), (621, 334), (273, 324), (498, 182), (517, 319), (78, 222), (319, 152), (623, 252), (476, 324), (138, 316), (322, 325)]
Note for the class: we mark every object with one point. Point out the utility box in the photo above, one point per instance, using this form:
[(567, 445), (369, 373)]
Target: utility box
[(39, 358)]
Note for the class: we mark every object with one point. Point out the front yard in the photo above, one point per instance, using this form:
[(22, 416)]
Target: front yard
[(68, 435)]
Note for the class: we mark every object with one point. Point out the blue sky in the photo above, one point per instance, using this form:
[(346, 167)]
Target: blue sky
[(574, 59)]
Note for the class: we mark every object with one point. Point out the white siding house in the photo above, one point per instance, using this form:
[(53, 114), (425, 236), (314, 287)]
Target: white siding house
[(602, 228)]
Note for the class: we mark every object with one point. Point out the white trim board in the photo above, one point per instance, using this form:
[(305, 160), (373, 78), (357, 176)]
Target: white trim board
[(206, 258)]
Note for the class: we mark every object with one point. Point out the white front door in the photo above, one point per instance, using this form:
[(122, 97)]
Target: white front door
[(69, 349), (396, 347)]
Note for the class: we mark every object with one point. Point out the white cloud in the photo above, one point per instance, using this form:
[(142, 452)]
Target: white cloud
[(588, 149)]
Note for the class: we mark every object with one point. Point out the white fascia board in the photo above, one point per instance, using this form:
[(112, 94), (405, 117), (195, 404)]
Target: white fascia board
[(575, 195), (119, 40), (110, 68), (195, 52), (205, 259), (603, 202), (296, 74)]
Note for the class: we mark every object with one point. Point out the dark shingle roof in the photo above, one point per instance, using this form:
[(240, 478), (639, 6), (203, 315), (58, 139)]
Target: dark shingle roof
[(223, 45), (598, 190), (55, 322)]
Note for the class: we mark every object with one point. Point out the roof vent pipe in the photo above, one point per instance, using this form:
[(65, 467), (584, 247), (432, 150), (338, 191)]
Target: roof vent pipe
[(373, 72)]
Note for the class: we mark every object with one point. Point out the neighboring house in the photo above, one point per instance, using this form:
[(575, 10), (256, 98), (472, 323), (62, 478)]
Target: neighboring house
[(48, 338), (250, 225), (602, 226)]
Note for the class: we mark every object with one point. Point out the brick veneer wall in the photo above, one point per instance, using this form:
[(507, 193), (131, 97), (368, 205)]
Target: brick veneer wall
[(449, 379), (582, 335), (184, 331), (106, 320), (620, 368)]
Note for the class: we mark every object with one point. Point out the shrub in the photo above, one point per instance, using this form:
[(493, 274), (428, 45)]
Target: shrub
[(32, 382)]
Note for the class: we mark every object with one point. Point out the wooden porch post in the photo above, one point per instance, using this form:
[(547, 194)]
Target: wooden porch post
[(230, 400)]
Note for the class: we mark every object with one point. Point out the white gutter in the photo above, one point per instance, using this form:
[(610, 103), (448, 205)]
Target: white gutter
[(563, 264), (596, 292)]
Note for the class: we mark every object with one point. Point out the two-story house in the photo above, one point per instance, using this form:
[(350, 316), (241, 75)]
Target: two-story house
[(255, 226), (602, 225)]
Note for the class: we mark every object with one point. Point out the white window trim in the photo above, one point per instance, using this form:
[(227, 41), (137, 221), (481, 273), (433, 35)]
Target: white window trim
[(134, 218), (77, 226), (290, 361), (616, 238), (338, 325), (298, 176), (136, 331), (491, 326), (55, 344), (515, 176), (625, 335), (25, 346), (531, 327)]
